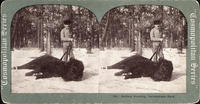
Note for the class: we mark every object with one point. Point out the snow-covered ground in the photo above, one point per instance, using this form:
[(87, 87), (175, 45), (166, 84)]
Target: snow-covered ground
[(95, 79), (117, 84)]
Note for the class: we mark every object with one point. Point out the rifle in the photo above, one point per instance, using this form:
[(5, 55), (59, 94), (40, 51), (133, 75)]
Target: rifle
[(158, 49), (69, 48)]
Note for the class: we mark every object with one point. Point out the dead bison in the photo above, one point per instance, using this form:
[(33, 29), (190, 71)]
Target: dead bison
[(48, 66), (137, 66)]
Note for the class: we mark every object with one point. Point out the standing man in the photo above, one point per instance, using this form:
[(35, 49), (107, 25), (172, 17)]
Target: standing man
[(156, 38), (66, 38)]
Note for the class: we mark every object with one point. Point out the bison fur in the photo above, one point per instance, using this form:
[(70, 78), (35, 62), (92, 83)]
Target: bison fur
[(47, 66), (138, 66)]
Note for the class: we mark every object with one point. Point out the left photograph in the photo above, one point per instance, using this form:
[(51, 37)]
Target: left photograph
[(54, 49)]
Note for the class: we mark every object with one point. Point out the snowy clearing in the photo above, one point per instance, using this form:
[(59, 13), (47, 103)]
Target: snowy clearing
[(95, 79)]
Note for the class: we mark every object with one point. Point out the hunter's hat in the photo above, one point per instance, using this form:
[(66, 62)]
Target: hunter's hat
[(67, 22), (157, 22)]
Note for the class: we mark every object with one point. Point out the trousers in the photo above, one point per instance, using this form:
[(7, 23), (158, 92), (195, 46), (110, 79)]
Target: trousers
[(159, 53), (67, 47)]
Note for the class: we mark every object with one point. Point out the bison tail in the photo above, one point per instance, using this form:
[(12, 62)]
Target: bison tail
[(18, 67), (107, 67), (104, 67), (15, 67), (25, 66)]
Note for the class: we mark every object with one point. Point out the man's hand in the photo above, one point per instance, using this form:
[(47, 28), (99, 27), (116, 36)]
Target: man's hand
[(161, 39), (71, 39)]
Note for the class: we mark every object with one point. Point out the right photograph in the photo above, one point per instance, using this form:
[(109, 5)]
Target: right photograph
[(143, 50)]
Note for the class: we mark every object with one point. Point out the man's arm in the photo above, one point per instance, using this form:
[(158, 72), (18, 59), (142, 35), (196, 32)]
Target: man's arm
[(62, 35)]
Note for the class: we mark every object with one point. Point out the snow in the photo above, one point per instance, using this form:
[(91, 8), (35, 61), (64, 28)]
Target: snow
[(95, 79)]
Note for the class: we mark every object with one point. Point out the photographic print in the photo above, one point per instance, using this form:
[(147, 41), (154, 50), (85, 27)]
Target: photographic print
[(54, 48), (141, 40), (93, 51)]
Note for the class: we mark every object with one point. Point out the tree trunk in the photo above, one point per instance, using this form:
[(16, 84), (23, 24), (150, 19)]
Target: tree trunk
[(139, 50), (104, 32), (18, 41), (79, 34), (89, 34), (49, 41), (133, 37), (129, 33), (38, 33), (13, 35), (41, 36), (171, 39), (70, 11)]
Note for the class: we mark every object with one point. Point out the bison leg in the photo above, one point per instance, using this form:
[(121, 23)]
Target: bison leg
[(43, 75), (128, 76), (132, 76), (135, 73), (124, 71), (31, 73), (121, 72)]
